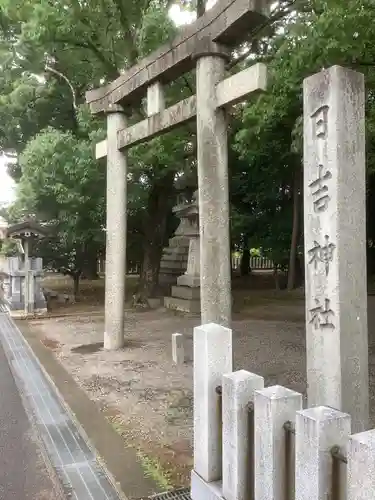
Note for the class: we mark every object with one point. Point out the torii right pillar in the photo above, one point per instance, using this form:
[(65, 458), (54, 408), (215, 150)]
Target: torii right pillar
[(215, 271)]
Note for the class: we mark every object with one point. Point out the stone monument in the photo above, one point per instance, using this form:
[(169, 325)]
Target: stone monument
[(335, 243), (186, 294), (175, 256), (23, 274)]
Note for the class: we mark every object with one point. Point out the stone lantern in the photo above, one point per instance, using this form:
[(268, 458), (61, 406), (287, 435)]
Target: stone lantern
[(186, 294), (23, 291)]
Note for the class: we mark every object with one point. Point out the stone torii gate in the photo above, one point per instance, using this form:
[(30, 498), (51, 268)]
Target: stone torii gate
[(205, 45)]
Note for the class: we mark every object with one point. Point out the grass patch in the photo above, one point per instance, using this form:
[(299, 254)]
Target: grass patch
[(152, 468), (117, 423), (155, 471)]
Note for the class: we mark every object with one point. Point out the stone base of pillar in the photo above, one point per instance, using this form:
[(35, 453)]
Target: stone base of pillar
[(201, 490), (20, 313)]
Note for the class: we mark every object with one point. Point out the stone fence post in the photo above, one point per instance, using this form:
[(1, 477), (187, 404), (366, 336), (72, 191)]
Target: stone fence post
[(318, 430), (361, 466), (212, 359), (272, 408)]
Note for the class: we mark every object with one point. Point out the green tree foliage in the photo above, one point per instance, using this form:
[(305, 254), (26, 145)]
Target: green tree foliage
[(51, 52), (55, 52), (317, 35), (63, 184)]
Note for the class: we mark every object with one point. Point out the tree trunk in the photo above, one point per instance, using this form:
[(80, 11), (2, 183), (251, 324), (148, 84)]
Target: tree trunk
[(245, 259), (276, 277), (159, 205), (201, 7), (76, 276), (90, 262), (295, 230)]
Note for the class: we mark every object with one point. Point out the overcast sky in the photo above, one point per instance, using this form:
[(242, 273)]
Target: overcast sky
[(7, 188)]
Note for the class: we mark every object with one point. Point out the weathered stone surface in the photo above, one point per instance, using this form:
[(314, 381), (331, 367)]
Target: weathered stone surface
[(177, 251), (182, 305), (238, 392), (14, 286), (158, 123), (215, 271), (318, 430), (201, 490), (186, 292), (173, 272), (101, 149), (177, 264), (212, 359), (186, 280), (335, 243), (172, 257), (193, 265), (234, 89), (180, 250), (228, 22), (272, 408), (188, 228), (178, 352), (237, 88), (361, 466), (178, 242), (155, 99), (115, 270)]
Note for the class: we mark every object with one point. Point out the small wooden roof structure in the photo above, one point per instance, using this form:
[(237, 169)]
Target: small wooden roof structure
[(27, 229)]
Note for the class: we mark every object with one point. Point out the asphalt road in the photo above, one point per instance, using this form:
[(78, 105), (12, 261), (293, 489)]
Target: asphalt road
[(23, 471)]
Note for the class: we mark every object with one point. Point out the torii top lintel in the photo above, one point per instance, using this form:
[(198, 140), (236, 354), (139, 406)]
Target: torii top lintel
[(227, 23)]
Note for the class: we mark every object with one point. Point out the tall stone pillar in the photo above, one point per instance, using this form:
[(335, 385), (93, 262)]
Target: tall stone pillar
[(335, 243), (115, 263), (215, 272)]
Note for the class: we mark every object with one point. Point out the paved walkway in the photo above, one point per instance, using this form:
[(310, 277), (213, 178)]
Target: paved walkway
[(23, 473)]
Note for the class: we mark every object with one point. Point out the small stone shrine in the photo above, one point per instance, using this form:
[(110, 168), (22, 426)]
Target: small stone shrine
[(186, 294), (22, 285)]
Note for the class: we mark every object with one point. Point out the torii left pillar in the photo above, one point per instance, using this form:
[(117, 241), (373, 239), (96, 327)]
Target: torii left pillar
[(115, 262)]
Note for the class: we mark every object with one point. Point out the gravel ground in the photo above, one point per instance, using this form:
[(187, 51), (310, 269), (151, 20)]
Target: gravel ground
[(146, 396)]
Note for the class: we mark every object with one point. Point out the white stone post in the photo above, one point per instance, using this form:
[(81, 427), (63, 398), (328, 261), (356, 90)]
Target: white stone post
[(26, 288), (273, 407), (178, 352), (212, 359), (318, 430), (335, 243), (361, 466), (215, 272), (31, 290), (115, 262), (238, 446)]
